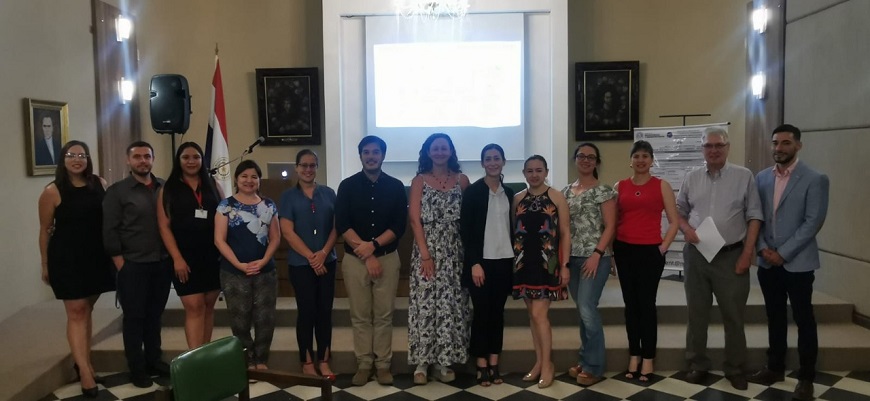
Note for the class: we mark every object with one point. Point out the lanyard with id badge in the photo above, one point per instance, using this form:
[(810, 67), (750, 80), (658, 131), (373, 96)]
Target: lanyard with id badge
[(199, 213)]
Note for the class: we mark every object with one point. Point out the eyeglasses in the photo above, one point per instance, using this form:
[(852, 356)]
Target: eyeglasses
[(80, 156), (581, 157), (711, 146), (306, 166)]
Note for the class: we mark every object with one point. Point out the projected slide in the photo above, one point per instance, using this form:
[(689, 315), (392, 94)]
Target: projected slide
[(448, 84)]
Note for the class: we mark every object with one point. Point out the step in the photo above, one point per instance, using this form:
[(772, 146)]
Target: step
[(842, 347), (671, 309)]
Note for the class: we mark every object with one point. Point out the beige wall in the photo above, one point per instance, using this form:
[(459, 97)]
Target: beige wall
[(178, 37), (692, 61), (691, 53), (47, 55)]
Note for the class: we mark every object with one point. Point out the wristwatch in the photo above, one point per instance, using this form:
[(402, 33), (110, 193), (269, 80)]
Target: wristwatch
[(598, 251), (376, 244)]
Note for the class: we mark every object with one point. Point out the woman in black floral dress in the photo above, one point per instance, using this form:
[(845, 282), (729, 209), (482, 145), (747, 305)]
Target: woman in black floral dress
[(542, 242), (439, 312)]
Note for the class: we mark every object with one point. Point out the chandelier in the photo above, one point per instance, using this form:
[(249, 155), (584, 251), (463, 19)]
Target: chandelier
[(431, 9)]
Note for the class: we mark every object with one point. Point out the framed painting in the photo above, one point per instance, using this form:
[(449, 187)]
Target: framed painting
[(46, 131), (607, 100), (288, 103)]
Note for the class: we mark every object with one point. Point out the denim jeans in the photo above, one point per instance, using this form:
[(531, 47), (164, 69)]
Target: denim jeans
[(586, 293)]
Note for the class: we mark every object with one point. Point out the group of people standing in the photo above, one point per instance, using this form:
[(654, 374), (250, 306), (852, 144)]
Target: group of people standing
[(143, 234), (772, 218), (474, 244)]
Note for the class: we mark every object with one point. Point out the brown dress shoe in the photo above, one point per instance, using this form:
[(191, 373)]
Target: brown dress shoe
[(384, 376), (803, 391), (361, 377), (738, 381), (696, 376), (766, 377)]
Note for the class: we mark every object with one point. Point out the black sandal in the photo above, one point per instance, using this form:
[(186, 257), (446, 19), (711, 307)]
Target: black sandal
[(494, 375), (483, 376)]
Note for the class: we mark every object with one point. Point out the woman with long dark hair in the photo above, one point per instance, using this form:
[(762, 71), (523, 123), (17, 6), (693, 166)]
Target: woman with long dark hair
[(485, 227), (185, 214), (542, 243), (247, 234), (593, 224), (307, 217), (71, 246), (438, 312)]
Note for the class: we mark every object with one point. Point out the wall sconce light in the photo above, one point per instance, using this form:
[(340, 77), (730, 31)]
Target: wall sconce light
[(123, 27), (758, 85), (125, 90), (759, 19)]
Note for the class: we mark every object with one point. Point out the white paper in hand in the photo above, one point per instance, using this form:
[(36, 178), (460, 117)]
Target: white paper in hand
[(710, 241)]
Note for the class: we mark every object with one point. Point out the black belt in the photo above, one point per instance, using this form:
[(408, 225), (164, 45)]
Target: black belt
[(731, 247)]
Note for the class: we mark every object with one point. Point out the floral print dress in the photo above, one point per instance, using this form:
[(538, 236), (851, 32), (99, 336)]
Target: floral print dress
[(536, 244), (439, 312)]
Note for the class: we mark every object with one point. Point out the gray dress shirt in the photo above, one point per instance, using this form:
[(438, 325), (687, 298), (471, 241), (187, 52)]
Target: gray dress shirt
[(730, 196)]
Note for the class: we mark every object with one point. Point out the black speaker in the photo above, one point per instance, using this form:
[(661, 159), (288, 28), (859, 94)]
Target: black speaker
[(170, 104)]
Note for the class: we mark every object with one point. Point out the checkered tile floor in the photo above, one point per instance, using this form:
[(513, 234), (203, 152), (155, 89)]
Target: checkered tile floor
[(666, 386)]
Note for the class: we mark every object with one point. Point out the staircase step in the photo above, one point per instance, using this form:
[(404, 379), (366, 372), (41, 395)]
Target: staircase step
[(842, 347), (671, 309)]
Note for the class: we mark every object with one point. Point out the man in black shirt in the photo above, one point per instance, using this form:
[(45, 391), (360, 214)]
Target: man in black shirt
[(371, 210), (132, 239)]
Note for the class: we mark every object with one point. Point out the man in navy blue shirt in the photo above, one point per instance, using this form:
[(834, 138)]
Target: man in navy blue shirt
[(371, 211)]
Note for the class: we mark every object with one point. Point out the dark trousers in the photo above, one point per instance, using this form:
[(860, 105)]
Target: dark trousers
[(314, 295), (143, 289), (251, 302), (779, 285), (487, 326), (640, 269)]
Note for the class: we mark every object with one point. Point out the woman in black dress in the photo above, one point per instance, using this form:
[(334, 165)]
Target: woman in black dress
[(71, 247), (542, 242), (185, 214)]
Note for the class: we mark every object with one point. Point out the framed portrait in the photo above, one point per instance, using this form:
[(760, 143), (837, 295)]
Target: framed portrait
[(46, 131), (607, 100), (288, 102)]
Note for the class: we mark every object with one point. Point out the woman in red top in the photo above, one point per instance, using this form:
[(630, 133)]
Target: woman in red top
[(639, 251)]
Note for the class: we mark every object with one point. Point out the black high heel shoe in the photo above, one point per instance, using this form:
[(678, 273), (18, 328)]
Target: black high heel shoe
[(97, 379), (494, 375), (92, 392), (483, 378)]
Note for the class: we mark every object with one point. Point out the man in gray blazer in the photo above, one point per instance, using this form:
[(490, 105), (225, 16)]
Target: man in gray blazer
[(794, 199)]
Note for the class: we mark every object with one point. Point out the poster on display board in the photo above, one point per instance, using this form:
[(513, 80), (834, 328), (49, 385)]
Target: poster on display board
[(677, 152)]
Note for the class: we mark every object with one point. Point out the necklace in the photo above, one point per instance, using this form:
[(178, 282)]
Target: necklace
[(442, 182)]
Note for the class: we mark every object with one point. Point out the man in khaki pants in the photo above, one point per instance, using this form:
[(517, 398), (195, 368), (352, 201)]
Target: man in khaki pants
[(371, 210)]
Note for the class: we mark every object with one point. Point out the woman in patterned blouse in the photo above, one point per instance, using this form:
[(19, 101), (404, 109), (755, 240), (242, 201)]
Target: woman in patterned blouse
[(593, 225), (247, 234)]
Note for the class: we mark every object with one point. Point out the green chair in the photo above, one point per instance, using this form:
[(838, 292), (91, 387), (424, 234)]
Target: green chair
[(218, 370)]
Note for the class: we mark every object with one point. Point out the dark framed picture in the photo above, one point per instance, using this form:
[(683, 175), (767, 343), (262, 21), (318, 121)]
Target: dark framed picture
[(288, 102), (607, 100), (46, 131)]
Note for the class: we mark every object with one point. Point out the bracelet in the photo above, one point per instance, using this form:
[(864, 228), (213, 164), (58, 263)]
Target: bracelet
[(598, 251)]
